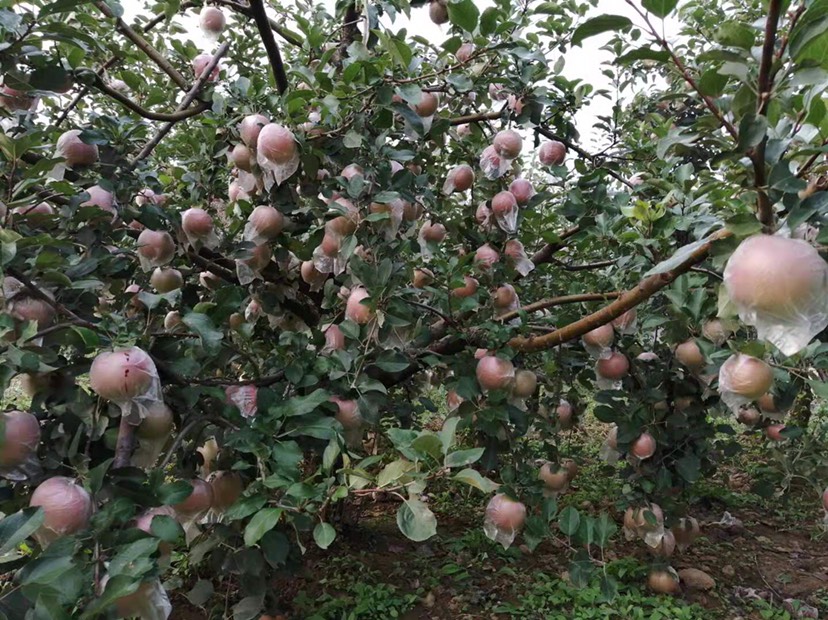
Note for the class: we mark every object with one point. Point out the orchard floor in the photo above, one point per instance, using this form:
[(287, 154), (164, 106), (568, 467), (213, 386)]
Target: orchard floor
[(774, 551)]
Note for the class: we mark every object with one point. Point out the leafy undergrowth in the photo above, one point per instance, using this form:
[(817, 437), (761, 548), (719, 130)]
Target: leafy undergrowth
[(759, 550)]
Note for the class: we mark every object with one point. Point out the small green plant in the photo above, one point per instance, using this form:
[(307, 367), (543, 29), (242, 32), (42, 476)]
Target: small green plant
[(359, 601), (553, 598)]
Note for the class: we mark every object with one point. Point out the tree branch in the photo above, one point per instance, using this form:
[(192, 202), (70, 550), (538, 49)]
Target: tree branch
[(685, 73), (765, 88), (163, 16), (594, 159), (626, 301), (544, 255), (188, 99), (125, 445), (428, 308), (349, 28), (803, 170), (59, 307), (271, 47), (142, 44), (585, 266), (83, 92), (286, 34), (476, 118), (143, 112), (112, 61), (543, 304)]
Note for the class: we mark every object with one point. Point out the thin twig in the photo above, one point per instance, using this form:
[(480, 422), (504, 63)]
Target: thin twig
[(149, 114), (188, 99), (286, 34), (585, 266), (594, 159), (179, 439), (806, 167), (59, 307), (543, 304), (142, 44), (83, 92), (428, 308), (685, 73)]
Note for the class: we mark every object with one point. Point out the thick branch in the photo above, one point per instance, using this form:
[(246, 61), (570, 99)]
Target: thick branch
[(188, 99), (543, 304), (760, 177), (627, 301), (349, 28), (766, 64), (143, 112), (142, 44), (271, 47)]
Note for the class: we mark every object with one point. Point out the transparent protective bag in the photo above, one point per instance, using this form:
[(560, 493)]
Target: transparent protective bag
[(780, 287)]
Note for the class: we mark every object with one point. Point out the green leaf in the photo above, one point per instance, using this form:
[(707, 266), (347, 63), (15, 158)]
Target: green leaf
[(712, 83), (174, 492), (301, 405), (352, 140), (324, 534), (604, 529), (689, 467), (393, 472), (464, 457), (598, 25), (46, 569), (744, 224), (201, 592), (752, 131), (474, 479), (659, 8), (488, 22), (428, 443), (244, 507), (464, 14), (117, 587), (736, 34), (416, 521), (166, 528), (820, 388), (461, 83), (811, 25), (609, 588), (447, 433), (569, 520), (261, 523), (643, 53), (17, 527), (203, 327)]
